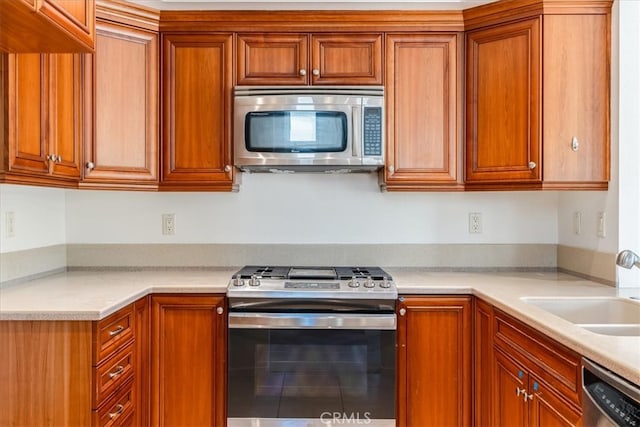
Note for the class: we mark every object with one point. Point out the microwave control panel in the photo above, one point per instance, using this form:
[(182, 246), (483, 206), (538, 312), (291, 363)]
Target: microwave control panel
[(372, 131)]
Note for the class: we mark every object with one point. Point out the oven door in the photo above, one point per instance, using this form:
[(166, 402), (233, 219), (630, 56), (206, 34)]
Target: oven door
[(311, 369)]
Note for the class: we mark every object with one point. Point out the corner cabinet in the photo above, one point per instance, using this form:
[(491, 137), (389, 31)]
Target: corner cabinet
[(434, 361), (121, 96), (284, 59), (538, 99), (188, 360), (196, 92), (424, 117), (40, 119)]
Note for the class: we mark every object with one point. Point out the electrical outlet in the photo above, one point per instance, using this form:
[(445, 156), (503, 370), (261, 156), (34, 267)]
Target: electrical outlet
[(475, 222), (577, 223), (169, 224), (10, 224), (602, 224)]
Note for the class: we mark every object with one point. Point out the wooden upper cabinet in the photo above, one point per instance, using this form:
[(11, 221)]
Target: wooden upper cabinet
[(503, 104), (121, 148), (423, 97), (434, 362), (576, 101), (197, 84), (47, 25), (43, 115), (284, 59)]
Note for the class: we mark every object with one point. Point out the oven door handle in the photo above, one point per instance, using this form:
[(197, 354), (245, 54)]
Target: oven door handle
[(312, 321)]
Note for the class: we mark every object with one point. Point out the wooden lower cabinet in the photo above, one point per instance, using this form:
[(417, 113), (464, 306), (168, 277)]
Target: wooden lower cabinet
[(188, 375), (434, 361), (483, 362)]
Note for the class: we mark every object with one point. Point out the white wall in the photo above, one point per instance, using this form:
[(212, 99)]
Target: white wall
[(39, 215), (306, 208)]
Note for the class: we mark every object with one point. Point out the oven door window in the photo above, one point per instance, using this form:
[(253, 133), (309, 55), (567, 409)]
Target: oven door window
[(303, 373), (296, 131)]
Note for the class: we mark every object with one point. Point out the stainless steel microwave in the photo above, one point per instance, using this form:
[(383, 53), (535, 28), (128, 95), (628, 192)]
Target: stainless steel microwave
[(309, 128)]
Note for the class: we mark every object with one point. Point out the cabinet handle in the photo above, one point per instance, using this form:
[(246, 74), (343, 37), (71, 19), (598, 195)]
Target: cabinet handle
[(403, 311), (520, 391), (227, 168), (117, 371), (303, 72), (391, 169), (219, 310), (116, 331), (52, 157), (532, 165), (91, 165), (315, 72), (119, 409), (575, 144), (528, 396)]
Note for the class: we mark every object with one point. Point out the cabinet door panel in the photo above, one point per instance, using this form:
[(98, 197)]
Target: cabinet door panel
[(483, 362), (77, 17), (197, 104), (28, 100), (272, 59), (509, 408), (422, 95), (503, 102), (435, 378), (347, 59), (549, 410), (576, 98), (124, 74)]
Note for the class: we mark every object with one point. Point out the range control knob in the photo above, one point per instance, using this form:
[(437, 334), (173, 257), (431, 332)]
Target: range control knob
[(369, 283), (353, 283), (254, 281), (385, 283), (238, 282)]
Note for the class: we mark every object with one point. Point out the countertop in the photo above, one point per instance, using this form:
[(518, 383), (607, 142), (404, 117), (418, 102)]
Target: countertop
[(94, 294)]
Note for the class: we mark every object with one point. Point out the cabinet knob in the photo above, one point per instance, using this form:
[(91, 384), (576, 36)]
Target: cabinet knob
[(532, 165), (303, 72), (52, 157), (227, 168), (575, 144), (391, 169), (91, 165), (315, 72), (403, 311), (219, 310)]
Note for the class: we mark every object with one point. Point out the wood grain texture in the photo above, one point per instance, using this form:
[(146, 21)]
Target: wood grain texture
[(483, 363), (197, 84), (112, 333), (45, 372), (576, 98), (503, 104), (123, 103), (437, 359), (186, 363), (509, 408), (422, 93), (346, 59), (142, 313), (272, 59), (548, 409)]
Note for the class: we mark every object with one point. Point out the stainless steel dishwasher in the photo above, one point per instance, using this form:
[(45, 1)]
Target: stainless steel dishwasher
[(607, 399)]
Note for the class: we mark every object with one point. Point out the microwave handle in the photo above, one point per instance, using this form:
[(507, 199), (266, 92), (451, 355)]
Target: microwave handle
[(356, 129)]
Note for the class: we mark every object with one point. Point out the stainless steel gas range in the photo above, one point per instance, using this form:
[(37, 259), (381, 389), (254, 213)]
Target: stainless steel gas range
[(311, 347)]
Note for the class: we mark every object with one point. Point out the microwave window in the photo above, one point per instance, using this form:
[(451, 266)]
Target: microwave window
[(296, 131)]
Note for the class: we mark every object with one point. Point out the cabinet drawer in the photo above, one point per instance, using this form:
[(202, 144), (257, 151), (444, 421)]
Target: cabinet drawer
[(112, 332), (118, 409), (553, 363), (112, 373)]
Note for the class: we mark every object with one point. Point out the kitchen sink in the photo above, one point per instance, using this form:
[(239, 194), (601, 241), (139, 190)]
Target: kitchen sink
[(601, 315)]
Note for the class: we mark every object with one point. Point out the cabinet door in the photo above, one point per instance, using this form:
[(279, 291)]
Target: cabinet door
[(197, 84), (142, 318), (509, 383), (483, 363), (434, 362), (346, 59), (503, 104), (65, 114), (422, 91), (550, 410), (188, 361), (122, 77), (272, 59), (77, 17), (576, 101)]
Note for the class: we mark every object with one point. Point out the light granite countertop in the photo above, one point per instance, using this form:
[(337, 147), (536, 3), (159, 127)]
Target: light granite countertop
[(94, 294)]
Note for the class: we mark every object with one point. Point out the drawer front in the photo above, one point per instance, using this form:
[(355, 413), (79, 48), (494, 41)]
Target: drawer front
[(118, 409), (113, 372), (555, 364), (113, 332)]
